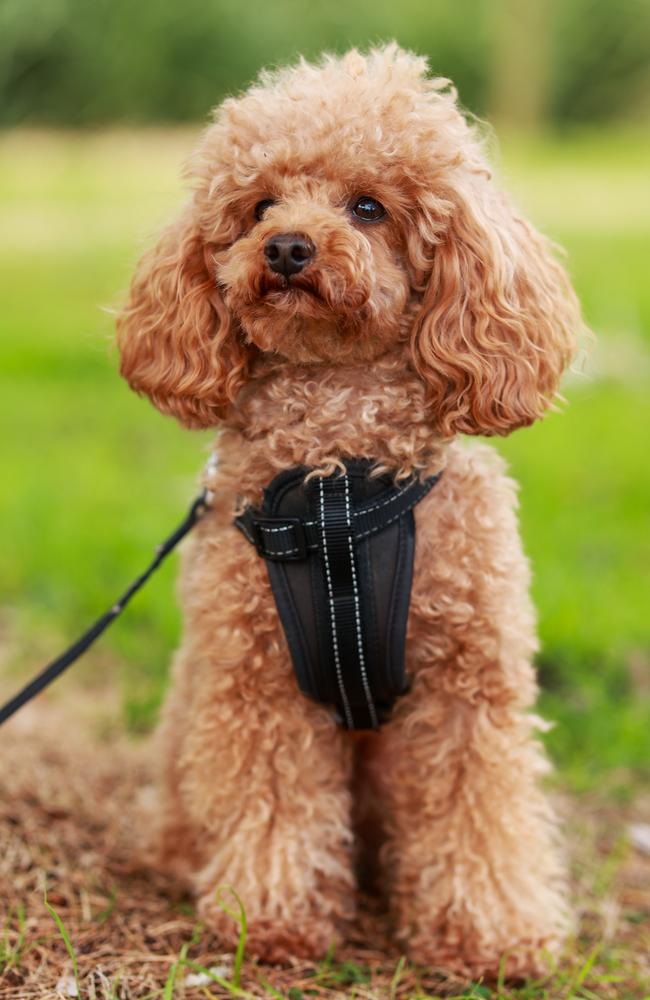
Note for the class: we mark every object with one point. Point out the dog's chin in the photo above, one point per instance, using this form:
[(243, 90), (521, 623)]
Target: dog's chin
[(297, 321), (297, 335), (301, 336), (292, 319)]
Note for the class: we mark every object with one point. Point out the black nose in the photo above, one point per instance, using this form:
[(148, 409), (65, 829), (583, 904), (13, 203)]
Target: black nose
[(287, 253)]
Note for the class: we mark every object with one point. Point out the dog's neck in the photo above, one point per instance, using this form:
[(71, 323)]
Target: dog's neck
[(313, 415)]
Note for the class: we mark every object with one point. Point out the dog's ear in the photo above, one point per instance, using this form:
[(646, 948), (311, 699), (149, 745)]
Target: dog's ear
[(177, 341), (498, 319)]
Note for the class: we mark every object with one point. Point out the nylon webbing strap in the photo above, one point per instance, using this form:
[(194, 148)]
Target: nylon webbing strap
[(338, 557), (291, 538)]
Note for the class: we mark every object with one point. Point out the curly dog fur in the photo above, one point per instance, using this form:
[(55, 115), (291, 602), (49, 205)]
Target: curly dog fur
[(447, 316)]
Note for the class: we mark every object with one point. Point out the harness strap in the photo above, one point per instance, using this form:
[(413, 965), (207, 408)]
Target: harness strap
[(344, 603), (292, 538)]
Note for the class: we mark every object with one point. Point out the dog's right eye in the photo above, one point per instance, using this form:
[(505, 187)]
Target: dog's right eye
[(262, 206), (368, 209)]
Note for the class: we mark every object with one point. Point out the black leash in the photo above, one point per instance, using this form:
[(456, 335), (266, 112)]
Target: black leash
[(67, 658)]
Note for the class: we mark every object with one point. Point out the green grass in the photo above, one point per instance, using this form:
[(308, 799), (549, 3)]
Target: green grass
[(93, 478)]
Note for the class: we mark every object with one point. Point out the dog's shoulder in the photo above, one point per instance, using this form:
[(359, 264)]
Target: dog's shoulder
[(473, 465), (475, 492)]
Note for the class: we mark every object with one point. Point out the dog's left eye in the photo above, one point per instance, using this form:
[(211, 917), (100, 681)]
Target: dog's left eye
[(262, 206), (368, 209)]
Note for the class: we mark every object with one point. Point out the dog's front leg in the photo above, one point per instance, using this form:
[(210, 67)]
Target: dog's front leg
[(275, 826), (472, 858), (257, 775)]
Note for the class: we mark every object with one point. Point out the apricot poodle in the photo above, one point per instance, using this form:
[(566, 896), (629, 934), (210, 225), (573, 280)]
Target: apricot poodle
[(346, 281)]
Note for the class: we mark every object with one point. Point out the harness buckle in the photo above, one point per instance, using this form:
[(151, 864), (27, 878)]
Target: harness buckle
[(281, 539)]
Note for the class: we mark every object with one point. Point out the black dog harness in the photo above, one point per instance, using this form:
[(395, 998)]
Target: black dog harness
[(339, 552)]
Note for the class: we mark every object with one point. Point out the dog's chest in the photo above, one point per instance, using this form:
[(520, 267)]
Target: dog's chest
[(316, 418)]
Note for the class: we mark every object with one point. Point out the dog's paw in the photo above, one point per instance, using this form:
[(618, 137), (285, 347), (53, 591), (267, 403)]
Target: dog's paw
[(274, 939), (512, 961), (276, 943)]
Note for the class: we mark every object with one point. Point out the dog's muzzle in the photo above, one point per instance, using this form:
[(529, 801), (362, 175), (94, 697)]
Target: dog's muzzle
[(339, 551)]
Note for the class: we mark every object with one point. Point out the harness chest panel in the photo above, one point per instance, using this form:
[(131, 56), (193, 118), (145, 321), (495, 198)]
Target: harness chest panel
[(339, 551)]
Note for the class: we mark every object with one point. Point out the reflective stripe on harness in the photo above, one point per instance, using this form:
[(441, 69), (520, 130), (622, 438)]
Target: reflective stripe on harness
[(339, 552)]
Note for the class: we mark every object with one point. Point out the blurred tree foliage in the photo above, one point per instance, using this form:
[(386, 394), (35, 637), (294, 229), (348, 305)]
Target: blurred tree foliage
[(90, 62)]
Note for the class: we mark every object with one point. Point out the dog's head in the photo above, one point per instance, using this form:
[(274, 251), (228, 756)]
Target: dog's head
[(341, 211)]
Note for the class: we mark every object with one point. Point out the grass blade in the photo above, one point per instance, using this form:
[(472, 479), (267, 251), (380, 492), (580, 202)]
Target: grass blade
[(168, 992), (239, 916), (394, 983), (66, 938)]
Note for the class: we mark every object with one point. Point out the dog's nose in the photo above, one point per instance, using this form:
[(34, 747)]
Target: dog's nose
[(287, 253)]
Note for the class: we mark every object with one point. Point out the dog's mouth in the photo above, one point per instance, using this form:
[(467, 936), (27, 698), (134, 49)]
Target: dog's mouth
[(278, 288)]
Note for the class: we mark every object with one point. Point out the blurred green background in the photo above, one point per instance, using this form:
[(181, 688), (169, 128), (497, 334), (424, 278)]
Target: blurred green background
[(99, 103)]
